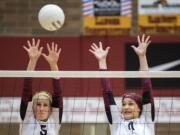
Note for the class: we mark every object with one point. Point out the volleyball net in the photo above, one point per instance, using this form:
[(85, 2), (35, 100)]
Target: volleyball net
[(82, 95), (91, 74)]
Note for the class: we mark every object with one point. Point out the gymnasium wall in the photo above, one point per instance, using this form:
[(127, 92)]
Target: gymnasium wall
[(76, 57), (20, 17)]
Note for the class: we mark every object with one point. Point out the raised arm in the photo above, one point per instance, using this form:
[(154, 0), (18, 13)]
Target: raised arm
[(101, 54), (52, 58), (34, 53), (140, 50)]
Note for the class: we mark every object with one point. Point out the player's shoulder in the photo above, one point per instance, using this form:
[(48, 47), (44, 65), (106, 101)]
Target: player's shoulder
[(29, 116), (114, 107)]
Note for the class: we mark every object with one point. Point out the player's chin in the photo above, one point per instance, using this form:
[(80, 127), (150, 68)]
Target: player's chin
[(128, 116), (42, 118)]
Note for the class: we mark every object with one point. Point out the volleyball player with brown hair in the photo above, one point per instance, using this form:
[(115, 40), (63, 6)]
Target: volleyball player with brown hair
[(137, 111), (41, 113)]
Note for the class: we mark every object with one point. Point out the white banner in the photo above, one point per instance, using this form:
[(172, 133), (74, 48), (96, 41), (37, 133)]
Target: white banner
[(159, 7), (91, 110)]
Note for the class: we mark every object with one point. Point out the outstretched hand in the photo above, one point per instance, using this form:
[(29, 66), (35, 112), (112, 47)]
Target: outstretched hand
[(33, 49), (99, 52), (143, 43), (53, 54)]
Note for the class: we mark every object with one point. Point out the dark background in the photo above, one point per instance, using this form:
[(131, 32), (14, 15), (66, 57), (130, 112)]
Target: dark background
[(158, 53)]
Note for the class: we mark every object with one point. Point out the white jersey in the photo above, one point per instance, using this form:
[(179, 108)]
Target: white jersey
[(139, 126), (31, 126)]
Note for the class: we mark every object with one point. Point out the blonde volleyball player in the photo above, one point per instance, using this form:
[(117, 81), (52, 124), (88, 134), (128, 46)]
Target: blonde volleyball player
[(137, 112), (41, 113)]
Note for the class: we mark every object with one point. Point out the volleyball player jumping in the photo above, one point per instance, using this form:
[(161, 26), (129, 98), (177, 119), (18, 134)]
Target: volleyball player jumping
[(137, 112), (42, 113)]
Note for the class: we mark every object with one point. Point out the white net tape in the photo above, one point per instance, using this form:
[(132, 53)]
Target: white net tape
[(91, 74)]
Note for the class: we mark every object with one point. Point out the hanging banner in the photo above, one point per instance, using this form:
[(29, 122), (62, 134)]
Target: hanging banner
[(159, 16), (106, 17)]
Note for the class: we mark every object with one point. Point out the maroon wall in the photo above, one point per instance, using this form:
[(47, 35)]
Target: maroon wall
[(75, 56)]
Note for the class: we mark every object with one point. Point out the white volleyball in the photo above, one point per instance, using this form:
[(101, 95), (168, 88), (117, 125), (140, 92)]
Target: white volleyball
[(51, 17)]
